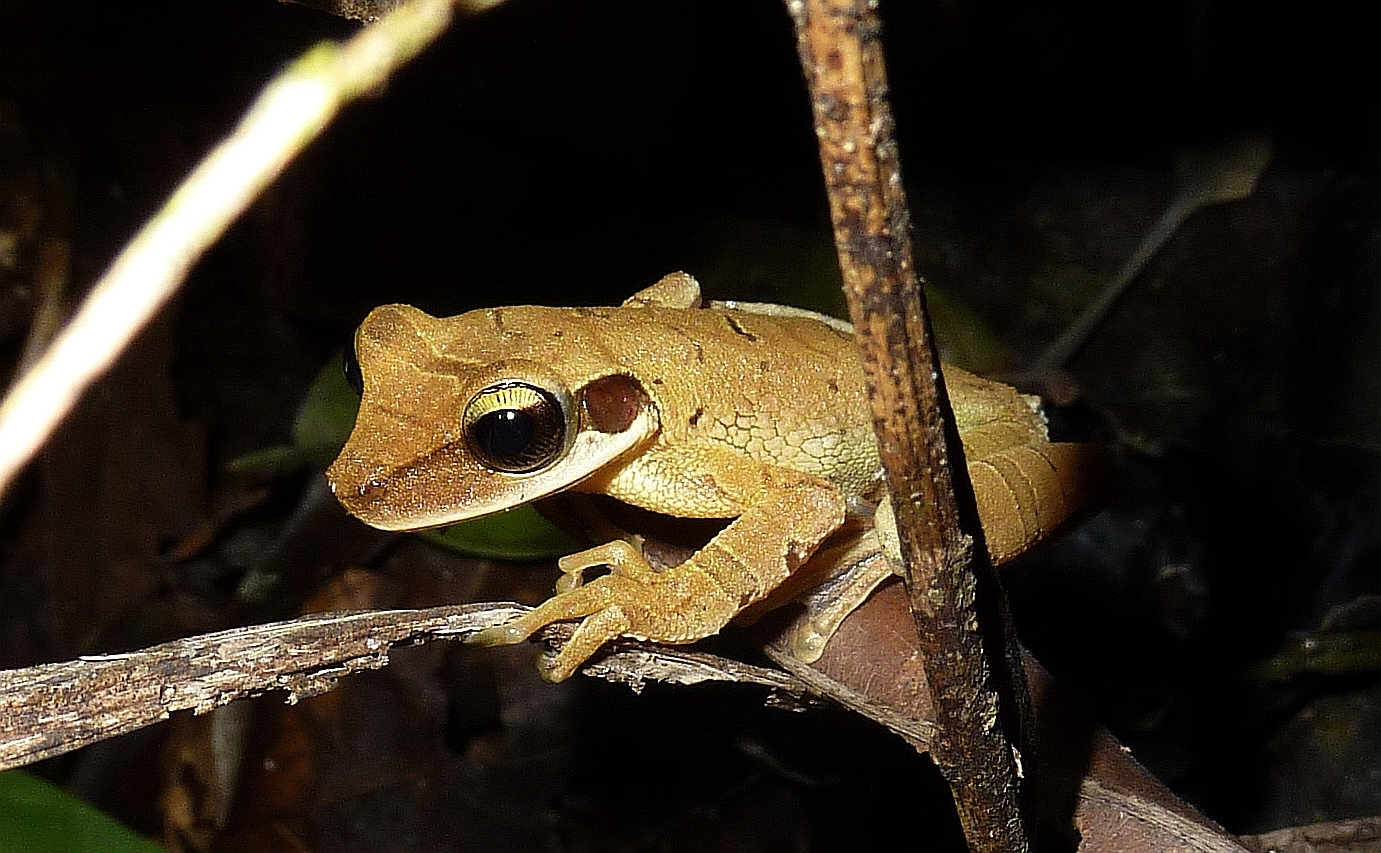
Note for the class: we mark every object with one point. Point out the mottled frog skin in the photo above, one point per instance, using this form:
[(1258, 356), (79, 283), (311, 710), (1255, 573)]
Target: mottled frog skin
[(752, 413)]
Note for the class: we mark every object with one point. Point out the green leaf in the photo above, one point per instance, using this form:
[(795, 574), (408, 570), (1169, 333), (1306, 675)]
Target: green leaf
[(327, 413), (518, 534), (39, 817), (323, 423)]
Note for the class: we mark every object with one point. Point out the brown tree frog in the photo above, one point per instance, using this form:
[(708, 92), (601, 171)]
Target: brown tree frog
[(752, 413)]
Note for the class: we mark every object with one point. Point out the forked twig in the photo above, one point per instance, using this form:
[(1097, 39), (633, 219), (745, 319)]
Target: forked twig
[(1203, 177)]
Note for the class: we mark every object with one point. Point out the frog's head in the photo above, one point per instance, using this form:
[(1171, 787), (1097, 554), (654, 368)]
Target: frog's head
[(465, 416)]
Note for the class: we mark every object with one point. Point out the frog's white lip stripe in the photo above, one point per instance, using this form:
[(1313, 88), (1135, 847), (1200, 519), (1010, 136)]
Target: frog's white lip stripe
[(589, 453)]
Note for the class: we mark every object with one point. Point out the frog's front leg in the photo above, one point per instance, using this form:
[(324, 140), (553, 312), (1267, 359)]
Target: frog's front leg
[(784, 517)]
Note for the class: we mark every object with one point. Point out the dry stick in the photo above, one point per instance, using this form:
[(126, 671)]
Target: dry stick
[(54, 708), (51, 709), (1359, 835), (841, 54), (292, 110)]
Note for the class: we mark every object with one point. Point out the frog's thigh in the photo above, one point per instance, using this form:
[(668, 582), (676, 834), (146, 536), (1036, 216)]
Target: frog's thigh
[(1005, 485), (1020, 497)]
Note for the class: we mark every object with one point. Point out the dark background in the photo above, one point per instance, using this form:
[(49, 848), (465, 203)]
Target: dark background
[(571, 153)]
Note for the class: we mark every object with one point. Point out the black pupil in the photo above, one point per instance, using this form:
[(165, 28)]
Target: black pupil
[(351, 365), (504, 433)]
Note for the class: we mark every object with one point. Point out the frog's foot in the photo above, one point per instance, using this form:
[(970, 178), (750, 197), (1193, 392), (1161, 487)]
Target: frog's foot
[(860, 570), (633, 600)]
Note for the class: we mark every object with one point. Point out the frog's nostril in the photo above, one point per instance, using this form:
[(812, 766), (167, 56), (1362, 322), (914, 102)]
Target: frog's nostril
[(373, 483)]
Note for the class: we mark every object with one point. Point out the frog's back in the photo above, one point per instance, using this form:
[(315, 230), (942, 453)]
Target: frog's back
[(783, 390)]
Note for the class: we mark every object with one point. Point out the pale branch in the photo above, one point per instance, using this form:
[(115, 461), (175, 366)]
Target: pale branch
[(50, 709), (841, 53), (1360, 835), (293, 109), (872, 666)]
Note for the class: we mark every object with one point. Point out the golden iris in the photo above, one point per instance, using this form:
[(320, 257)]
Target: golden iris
[(515, 427)]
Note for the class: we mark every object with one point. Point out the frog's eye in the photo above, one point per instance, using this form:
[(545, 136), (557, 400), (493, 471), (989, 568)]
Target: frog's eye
[(515, 427), (351, 365)]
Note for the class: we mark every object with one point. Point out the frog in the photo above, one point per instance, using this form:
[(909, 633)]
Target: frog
[(751, 413)]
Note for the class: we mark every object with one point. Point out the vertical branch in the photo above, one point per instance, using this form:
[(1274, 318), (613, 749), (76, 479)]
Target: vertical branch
[(841, 54)]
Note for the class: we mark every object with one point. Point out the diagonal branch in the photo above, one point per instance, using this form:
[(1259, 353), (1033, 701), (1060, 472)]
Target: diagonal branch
[(291, 111), (841, 54), (54, 708)]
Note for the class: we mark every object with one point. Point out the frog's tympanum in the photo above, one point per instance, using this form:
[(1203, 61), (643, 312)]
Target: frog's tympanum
[(752, 413)]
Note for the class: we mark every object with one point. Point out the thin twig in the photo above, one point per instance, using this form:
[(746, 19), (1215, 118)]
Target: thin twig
[(841, 54), (1077, 333), (1359, 835), (292, 110), (1204, 177)]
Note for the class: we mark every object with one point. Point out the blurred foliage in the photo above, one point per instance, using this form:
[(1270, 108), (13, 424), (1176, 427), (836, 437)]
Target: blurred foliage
[(39, 817)]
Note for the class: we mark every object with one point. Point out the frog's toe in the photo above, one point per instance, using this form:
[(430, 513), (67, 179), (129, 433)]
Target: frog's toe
[(576, 603), (594, 631), (570, 581), (620, 556), (502, 635)]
